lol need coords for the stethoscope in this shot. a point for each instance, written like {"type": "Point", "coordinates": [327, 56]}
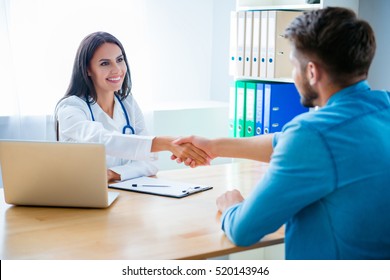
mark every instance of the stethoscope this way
{"type": "Point", "coordinates": [127, 126]}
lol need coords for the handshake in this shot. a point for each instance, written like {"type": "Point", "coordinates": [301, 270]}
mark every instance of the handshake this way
{"type": "Point", "coordinates": [193, 151]}
{"type": "Point", "coordinates": [196, 151]}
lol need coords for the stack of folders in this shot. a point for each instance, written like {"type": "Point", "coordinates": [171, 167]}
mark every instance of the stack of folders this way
{"type": "Point", "coordinates": [258, 47]}
{"type": "Point", "coordinates": [259, 108]}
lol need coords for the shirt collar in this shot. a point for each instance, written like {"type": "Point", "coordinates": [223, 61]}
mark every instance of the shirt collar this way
{"type": "Point", "coordinates": [358, 87]}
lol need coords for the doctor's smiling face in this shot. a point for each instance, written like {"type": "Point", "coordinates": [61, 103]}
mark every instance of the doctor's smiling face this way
{"type": "Point", "coordinates": [107, 69]}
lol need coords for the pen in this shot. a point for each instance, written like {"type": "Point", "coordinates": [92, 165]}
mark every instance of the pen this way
{"type": "Point", "coordinates": [142, 185]}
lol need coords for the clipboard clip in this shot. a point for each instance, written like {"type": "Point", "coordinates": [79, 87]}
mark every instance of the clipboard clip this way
{"type": "Point", "coordinates": [191, 190]}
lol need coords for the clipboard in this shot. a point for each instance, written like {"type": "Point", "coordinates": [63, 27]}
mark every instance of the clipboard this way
{"type": "Point", "coordinates": [160, 187]}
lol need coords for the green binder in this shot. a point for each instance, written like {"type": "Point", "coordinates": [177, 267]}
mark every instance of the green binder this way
{"type": "Point", "coordinates": [240, 109]}
{"type": "Point", "coordinates": [232, 110]}
{"type": "Point", "coordinates": [250, 109]}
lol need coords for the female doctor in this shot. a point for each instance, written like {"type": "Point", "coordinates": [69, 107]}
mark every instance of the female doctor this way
{"type": "Point", "coordinates": [98, 107]}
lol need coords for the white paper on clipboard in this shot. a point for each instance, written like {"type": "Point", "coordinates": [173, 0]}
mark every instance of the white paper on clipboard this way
{"type": "Point", "coordinates": [161, 187]}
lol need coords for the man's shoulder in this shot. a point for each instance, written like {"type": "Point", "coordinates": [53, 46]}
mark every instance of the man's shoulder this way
{"type": "Point", "coordinates": [334, 117]}
{"type": "Point", "coordinates": [314, 119]}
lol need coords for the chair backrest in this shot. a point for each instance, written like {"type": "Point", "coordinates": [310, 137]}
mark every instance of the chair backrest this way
{"type": "Point", "coordinates": [57, 133]}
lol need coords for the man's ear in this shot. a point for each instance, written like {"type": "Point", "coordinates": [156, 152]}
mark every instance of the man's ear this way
{"type": "Point", "coordinates": [313, 73]}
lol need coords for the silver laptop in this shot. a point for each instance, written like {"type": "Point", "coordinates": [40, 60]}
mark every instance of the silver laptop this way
{"type": "Point", "coordinates": [55, 174]}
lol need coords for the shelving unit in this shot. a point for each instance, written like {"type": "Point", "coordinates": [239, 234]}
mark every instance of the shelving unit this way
{"type": "Point", "coordinates": [267, 69]}
{"type": "Point", "coordinates": [301, 5]}
{"type": "Point", "coordinates": [288, 5]}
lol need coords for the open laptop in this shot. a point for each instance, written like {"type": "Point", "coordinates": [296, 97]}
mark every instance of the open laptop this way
{"type": "Point", "coordinates": [55, 174]}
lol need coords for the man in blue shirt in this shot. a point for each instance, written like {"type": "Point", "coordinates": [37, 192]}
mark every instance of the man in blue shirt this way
{"type": "Point", "coordinates": [329, 169]}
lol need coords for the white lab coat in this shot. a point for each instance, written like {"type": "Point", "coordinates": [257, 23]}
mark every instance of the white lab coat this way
{"type": "Point", "coordinates": [127, 155]}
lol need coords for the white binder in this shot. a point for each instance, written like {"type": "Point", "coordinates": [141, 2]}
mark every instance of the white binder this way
{"type": "Point", "coordinates": [278, 63]}
{"type": "Point", "coordinates": [248, 44]}
{"type": "Point", "coordinates": [256, 43]}
{"type": "Point", "coordinates": [240, 43]}
{"type": "Point", "coordinates": [233, 44]}
{"type": "Point", "coordinates": [271, 44]}
{"type": "Point", "coordinates": [263, 44]}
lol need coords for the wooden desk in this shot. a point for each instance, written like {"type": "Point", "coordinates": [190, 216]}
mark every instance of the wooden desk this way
{"type": "Point", "coordinates": [136, 226]}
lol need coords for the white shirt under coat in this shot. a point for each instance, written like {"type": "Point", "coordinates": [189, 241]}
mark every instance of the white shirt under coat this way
{"type": "Point", "coordinates": [126, 154]}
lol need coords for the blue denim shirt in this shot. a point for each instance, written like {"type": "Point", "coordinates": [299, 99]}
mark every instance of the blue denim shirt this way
{"type": "Point", "coordinates": [328, 181]}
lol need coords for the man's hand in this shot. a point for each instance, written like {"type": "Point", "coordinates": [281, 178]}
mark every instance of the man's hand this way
{"type": "Point", "coordinates": [229, 199]}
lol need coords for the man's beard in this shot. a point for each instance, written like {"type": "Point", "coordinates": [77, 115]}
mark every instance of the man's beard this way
{"type": "Point", "coordinates": [308, 95]}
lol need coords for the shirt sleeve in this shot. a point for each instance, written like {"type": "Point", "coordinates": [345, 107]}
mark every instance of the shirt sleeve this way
{"type": "Point", "coordinates": [135, 169]}
{"type": "Point", "coordinates": [301, 171]}
{"type": "Point", "coordinates": [75, 124]}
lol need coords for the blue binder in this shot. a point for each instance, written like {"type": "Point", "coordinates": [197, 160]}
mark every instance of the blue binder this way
{"type": "Point", "coordinates": [281, 105]}
{"type": "Point", "coordinates": [259, 128]}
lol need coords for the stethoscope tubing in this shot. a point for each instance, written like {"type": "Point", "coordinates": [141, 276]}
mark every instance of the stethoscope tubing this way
{"type": "Point", "coordinates": [127, 126]}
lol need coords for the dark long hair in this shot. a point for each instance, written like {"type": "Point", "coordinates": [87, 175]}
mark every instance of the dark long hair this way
{"type": "Point", "coordinates": [81, 84]}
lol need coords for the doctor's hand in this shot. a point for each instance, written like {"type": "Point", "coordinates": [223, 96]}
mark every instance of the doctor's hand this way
{"type": "Point", "coordinates": [229, 199]}
{"type": "Point", "coordinates": [112, 176]}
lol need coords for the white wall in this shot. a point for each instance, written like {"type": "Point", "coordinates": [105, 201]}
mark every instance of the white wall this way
{"type": "Point", "coordinates": [175, 51]}
{"type": "Point", "coordinates": [168, 43]}
{"type": "Point", "coordinates": [377, 14]}
{"type": "Point", "coordinates": [220, 79]}
{"type": "Point", "coordinates": [207, 119]}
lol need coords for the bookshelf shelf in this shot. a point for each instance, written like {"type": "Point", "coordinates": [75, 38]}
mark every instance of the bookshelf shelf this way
{"type": "Point", "coordinates": [262, 95]}
{"type": "Point", "coordinates": [270, 80]}
{"type": "Point", "coordinates": [302, 7]}
{"type": "Point", "coordinates": [298, 5]}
